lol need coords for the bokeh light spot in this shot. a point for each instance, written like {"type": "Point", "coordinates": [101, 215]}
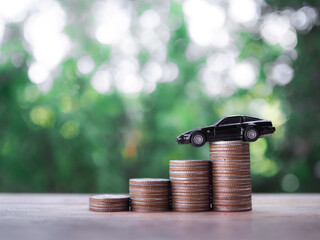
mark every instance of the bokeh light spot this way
{"type": "Point", "coordinates": [244, 74]}
{"type": "Point", "coordinates": [290, 183]}
{"type": "Point", "coordinates": [42, 116]}
{"type": "Point", "coordinates": [85, 65]}
{"type": "Point", "coordinates": [70, 129]}
{"type": "Point", "coordinates": [101, 81]}
{"type": "Point", "coordinates": [149, 19]}
{"type": "Point", "coordinates": [31, 93]}
{"type": "Point", "coordinates": [244, 11]}
{"type": "Point", "coordinates": [38, 73]}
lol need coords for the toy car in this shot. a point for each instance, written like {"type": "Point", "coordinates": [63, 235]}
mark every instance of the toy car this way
{"type": "Point", "coordinates": [229, 128]}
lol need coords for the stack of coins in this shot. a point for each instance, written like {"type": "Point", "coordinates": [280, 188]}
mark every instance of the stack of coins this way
{"type": "Point", "coordinates": [231, 179]}
{"type": "Point", "coordinates": [109, 203]}
{"type": "Point", "coordinates": [190, 185]}
{"type": "Point", "coordinates": [149, 194]}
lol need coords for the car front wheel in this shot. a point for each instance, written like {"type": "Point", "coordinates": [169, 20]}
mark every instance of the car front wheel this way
{"type": "Point", "coordinates": [251, 134]}
{"type": "Point", "coordinates": [198, 139]}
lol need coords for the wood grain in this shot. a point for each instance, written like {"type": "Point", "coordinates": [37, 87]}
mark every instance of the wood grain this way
{"type": "Point", "coordinates": [66, 216]}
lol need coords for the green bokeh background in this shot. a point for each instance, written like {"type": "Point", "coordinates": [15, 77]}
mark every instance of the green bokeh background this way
{"type": "Point", "coordinates": [73, 139]}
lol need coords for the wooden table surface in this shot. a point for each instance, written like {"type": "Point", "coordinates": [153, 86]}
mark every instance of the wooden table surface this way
{"type": "Point", "coordinates": [66, 216]}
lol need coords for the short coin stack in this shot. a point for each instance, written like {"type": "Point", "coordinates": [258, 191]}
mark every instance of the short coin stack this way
{"type": "Point", "coordinates": [190, 185]}
{"type": "Point", "coordinates": [149, 194]}
{"type": "Point", "coordinates": [109, 203]}
{"type": "Point", "coordinates": [231, 179]}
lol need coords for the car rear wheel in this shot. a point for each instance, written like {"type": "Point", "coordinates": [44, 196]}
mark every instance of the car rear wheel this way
{"type": "Point", "coordinates": [198, 139]}
{"type": "Point", "coordinates": [251, 134]}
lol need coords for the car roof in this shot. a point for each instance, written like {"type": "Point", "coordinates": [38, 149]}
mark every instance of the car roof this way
{"type": "Point", "coordinates": [239, 116]}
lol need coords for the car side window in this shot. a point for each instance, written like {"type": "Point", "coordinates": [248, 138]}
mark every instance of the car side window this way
{"type": "Point", "coordinates": [230, 120]}
{"type": "Point", "coordinates": [250, 119]}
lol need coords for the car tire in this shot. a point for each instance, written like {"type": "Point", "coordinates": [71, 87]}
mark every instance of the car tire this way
{"type": "Point", "coordinates": [251, 134]}
{"type": "Point", "coordinates": [198, 139]}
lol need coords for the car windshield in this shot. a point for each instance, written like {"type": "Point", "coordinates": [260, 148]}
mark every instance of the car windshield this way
{"type": "Point", "coordinates": [217, 123]}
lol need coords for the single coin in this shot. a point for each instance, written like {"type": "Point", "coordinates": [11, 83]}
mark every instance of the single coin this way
{"type": "Point", "coordinates": [231, 184]}
{"type": "Point", "coordinates": [216, 190]}
{"type": "Point", "coordinates": [231, 199]}
{"type": "Point", "coordinates": [191, 168]}
{"type": "Point", "coordinates": [231, 202]}
{"type": "Point", "coordinates": [226, 153]}
{"type": "Point", "coordinates": [150, 188]}
{"type": "Point", "coordinates": [191, 210]}
{"type": "Point", "coordinates": [231, 169]}
{"type": "Point", "coordinates": [230, 193]}
{"type": "Point", "coordinates": [230, 147]}
{"type": "Point", "coordinates": [229, 159]}
{"type": "Point", "coordinates": [231, 190]}
{"type": "Point", "coordinates": [231, 175]}
{"type": "Point", "coordinates": [189, 161]}
{"type": "Point", "coordinates": [240, 142]}
{"type": "Point", "coordinates": [191, 197]}
{"type": "Point", "coordinates": [95, 209]}
{"type": "Point", "coordinates": [233, 172]}
{"type": "Point", "coordinates": [192, 193]}
{"type": "Point", "coordinates": [191, 206]}
{"type": "Point", "coordinates": [192, 175]}
{"type": "Point", "coordinates": [149, 198]}
{"type": "Point", "coordinates": [189, 202]}
{"type": "Point", "coordinates": [192, 188]}
{"type": "Point", "coordinates": [184, 190]}
{"type": "Point", "coordinates": [241, 176]}
{"type": "Point", "coordinates": [106, 205]}
{"type": "Point", "coordinates": [230, 180]}
{"type": "Point", "coordinates": [230, 206]}
{"type": "Point", "coordinates": [186, 181]}
{"type": "Point", "coordinates": [147, 192]}
{"type": "Point", "coordinates": [197, 172]}
{"type": "Point", "coordinates": [226, 160]}
{"type": "Point", "coordinates": [228, 209]}
{"type": "Point", "coordinates": [145, 210]}
{"type": "Point", "coordinates": [150, 205]}
{"type": "Point", "coordinates": [191, 184]}
{"type": "Point", "coordinates": [149, 181]}
{"type": "Point", "coordinates": [235, 186]}
{"type": "Point", "coordinates": [150, 202]}
{"type": "Point", "coordinates": [224, 164]}
{"type": "Point", "coordinates": [109, 198]}
{"type": "Point", "coordinates": [187, 178]}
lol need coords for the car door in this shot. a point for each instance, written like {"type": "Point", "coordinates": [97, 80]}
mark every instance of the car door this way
{"type": "Point", "coordinates": [229, 129]}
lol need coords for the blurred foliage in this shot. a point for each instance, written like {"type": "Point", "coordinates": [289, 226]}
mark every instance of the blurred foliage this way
{"type": "Point", "coordinates": [73, 139]}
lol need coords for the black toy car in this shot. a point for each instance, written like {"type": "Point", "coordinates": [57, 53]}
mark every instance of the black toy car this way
{"type": "Point", "coordinates": [229, 128]}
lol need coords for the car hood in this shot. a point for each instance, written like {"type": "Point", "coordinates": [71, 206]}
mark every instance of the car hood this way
{"type": "Point", "coordinates": [196, 129]}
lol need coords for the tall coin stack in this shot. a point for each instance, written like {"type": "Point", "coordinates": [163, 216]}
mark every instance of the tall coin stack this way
{"type": "Point", "coordinates": [109, 203]}
{"type": "Point", "coordinates": [149, 194]}
{"type": "Point", "coordinates": [190, 185]}
{"type": "Point", "coordinates": [231, 179]}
